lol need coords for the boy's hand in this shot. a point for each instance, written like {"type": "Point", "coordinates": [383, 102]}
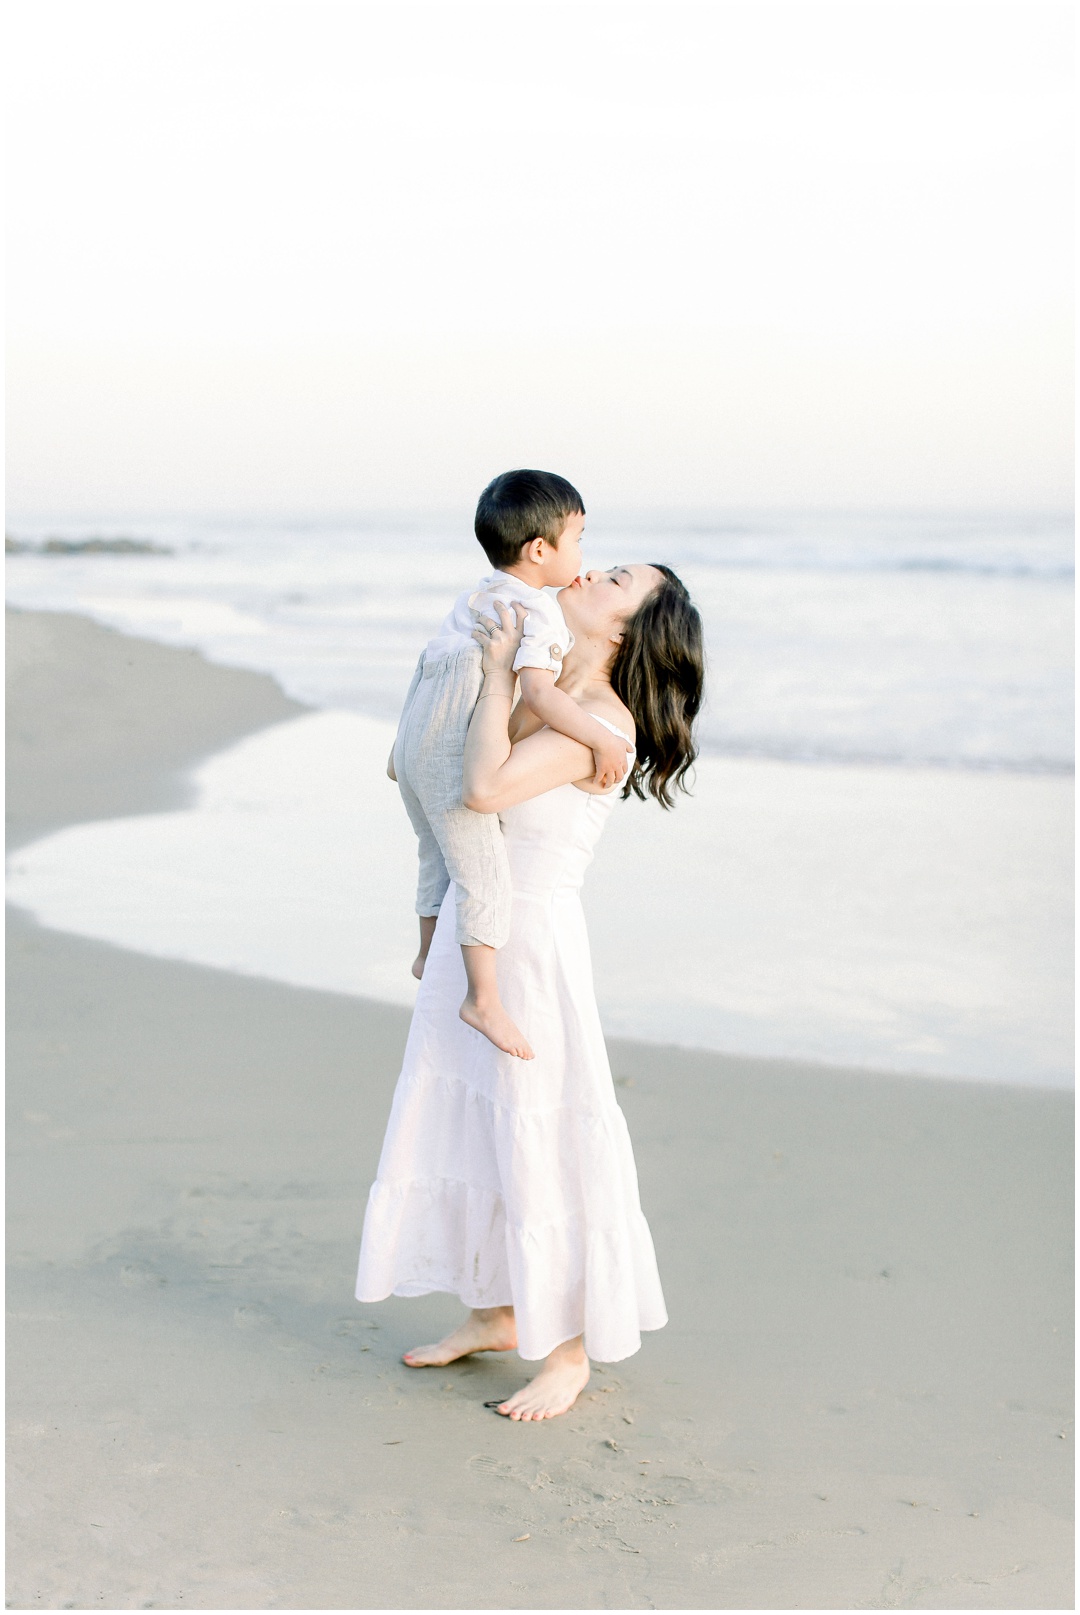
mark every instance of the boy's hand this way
{"type": "Point", "coordinates": [612, 760]}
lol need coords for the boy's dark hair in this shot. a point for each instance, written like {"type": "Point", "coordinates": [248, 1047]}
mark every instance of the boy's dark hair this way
{"type": "Point", "coordinates": [519, 506]}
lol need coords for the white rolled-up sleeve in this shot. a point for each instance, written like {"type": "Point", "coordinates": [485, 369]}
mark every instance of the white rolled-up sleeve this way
{"type": "Point", "coordinates": [546, 638]}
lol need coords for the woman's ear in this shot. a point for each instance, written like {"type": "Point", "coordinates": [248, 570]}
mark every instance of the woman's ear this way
{"type": "Point", "coordinates": [616, 639]}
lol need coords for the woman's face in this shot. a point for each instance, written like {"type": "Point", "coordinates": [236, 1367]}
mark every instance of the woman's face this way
{"type": "Point", "coordinates": [596, 605]}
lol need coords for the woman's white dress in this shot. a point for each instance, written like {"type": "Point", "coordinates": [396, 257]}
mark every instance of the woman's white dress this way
{"type": "Point", "coordinates": [510, 1182]}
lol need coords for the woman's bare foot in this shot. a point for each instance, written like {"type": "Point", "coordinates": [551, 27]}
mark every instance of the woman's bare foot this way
{"type": "Point", "coordinates": [485, 1329]}
{"type": "Point", "coordinates": [496, 1025]}
{"type": "Point", "coordinates": [555, 1389]}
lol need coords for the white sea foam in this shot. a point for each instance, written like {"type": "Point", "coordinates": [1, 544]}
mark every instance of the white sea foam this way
{"type": "Point", "coordinates": [911, 920]}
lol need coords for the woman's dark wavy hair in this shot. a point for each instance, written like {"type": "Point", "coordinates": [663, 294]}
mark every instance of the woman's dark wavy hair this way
{"type": "Point", "coordinates": [659, 673]}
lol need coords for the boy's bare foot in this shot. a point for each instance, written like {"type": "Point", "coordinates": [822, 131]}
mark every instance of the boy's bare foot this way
{"type": "Point", "coordinates": [555, 1389]}
{"type": "Point", "coordinates": [482, 1008]}
{"type": "Point", "coordinates": [497, 1027]}
{"type": "Point", "coordinates": [487, 1329]}
{"type": "Point", "coordinates": [427, 932]}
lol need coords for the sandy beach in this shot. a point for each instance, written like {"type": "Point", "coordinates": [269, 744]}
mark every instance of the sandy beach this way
{"type": "Point", "coordinates": [862, 1400]}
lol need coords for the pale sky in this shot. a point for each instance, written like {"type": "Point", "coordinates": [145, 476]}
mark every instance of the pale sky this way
{"type": "Point", "coordinates": [320, 257]}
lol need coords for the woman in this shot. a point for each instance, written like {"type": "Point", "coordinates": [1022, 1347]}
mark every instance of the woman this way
{"type": "Point", "coordinates": [512, 1184]}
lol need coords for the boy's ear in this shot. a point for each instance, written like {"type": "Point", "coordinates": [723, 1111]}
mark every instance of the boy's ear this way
{"type": "Point", "coordinates": [533, 551]}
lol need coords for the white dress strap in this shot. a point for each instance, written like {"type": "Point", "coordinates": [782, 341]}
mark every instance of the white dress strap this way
{"type": "Point", "coordinates": [614, 729]}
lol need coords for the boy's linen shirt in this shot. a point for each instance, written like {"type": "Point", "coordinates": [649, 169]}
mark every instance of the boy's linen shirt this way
{"type": "Point", "coordinates": [546, 638]}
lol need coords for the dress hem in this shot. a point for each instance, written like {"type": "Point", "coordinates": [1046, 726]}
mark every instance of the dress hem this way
{"type": "Point", "coordinates": [413, 1294]}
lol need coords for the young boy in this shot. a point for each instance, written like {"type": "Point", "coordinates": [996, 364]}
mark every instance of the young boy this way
{"type": "Point", "coordinates": [529, 524]}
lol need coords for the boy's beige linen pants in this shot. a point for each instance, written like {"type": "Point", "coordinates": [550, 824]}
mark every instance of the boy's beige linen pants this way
{"type": "Point", "coordinates": [456, 844]}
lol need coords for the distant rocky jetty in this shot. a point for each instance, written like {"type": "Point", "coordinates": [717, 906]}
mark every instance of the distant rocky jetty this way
{"type": "Point", "coordinates": [84, 546]}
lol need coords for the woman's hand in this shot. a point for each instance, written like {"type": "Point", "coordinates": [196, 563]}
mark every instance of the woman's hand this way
{"type": "Point", "coordinates": [499, 641]}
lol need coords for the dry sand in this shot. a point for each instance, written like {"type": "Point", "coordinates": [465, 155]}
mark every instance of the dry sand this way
{"type": "Point", "coordinates": [861, 1401]}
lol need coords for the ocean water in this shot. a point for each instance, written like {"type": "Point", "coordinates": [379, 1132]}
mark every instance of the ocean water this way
{"type": "Point", "coordinates": [912, 921]}
{"type": "Point", "coordinates": [874, 867]}
{"type": "Point", "coordinates": [908, 640]}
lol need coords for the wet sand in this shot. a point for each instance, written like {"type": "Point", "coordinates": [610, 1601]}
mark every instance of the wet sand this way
{"type": "Point", "coordinates": [862, 1399]}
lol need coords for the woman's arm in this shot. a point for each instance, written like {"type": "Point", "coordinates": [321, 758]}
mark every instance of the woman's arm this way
{"type": "Point", "coordinates": [522, 722]}
{"type": "Point", "coordinates": [496, 775]}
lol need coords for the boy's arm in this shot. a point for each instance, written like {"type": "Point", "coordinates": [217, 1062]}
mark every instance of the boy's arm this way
{"type": "Point", "coordinates": [558, 711]}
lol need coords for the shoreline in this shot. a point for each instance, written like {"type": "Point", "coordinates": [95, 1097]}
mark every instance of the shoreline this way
{"type": "Point", "coordinates": [913, 926]}
{"type": "Point", "coordinates": [124, 740]}
{"type": "Point", "coordinates": [859, 1400]}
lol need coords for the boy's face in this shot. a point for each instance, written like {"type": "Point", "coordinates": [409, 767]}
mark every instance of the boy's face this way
{"type": "Point", "coordinates": [562, 564]}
